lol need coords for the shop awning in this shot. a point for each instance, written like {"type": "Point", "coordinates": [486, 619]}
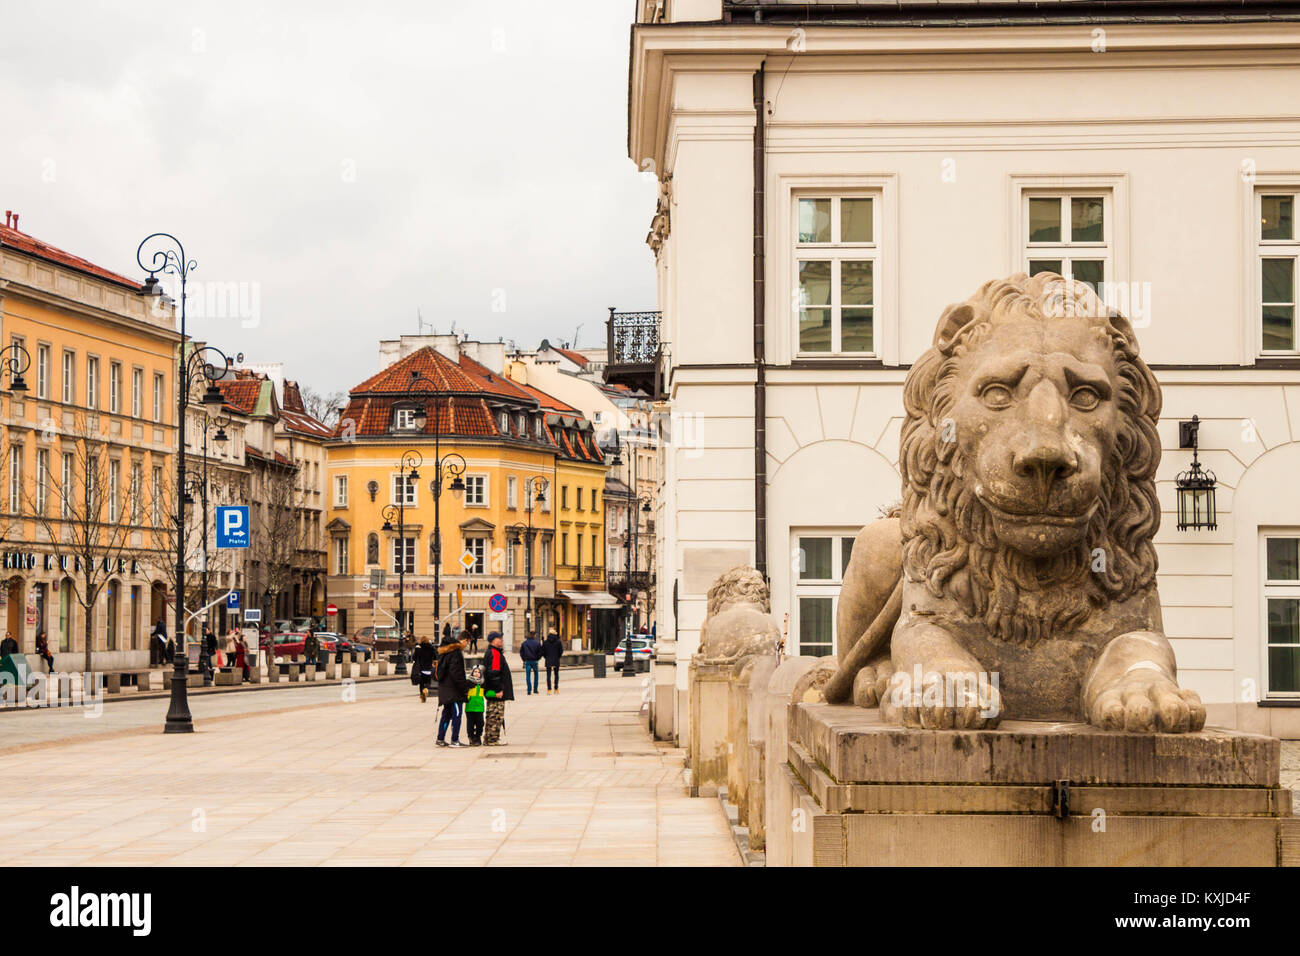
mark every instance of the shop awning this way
{"type": "Point", "coordinates": [591, 598]}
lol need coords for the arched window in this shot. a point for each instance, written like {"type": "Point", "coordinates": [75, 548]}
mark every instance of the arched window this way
{"type": "Point", "coordinates": [372, 548]}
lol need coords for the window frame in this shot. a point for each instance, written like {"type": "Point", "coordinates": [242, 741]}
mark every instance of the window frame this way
{"type": "Point", "coordinates": [69, 383]}
{"type": "Point", "coordinates": [92, 382]}
{"type": "Point", "coordinates": [114, 387]}
{"type": "Point", "coordinates": [1272, 588]}
{"type": "Point", "coordinates": [1276, 249]}
{"type": "Point", "coordinates": [512, 493]}
{"type": "Point", "coordinates": [340, 491]}
{"type": "Point", "coordinates": [1065, 249]}
{"type": "Point", "coordinates": [43, 369]}
{"type": "Point", "coordinates": [818, 588]}
{"type": "Point", "coordinates": [137, 391]}
{"type": "Point", "coordinates": [393, 556]}
{"type": "Point", "coordinates": [159, 396]}
{"type": "Point", "coordinates": [412, 490]}
{"type": "Point", "coordinates": [836, 252]}
{"type": "Point", "coordinates": [483, 498]}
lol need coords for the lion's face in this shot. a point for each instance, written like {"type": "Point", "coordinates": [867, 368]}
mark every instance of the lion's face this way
{"type": "Point", "coordinates": [1035, 420]}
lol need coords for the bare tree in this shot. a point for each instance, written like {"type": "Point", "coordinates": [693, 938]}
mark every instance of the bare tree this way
{"type": "Point", "coordinates": [86, 512]}
{"type": "Point", "coordinates": [323, 408]}
{"type": "Point", "coordinates": [277, 529]}
{"type": "Point", "coordinates": [161, 538]}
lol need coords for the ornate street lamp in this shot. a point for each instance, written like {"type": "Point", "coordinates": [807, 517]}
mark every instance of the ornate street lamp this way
{"type": "Point", "coordinates": [630, 544]}
{"type": "Point", "coordinates": [14, 360]}
{"type": "Point", "coordinates": [1196, 508]}
{"type": "Point", "coordinates": [410, 461]}
{"type": "Point", "coordinates": [525, 533]}
{"type": "Point", "coordinates": [171, 259]}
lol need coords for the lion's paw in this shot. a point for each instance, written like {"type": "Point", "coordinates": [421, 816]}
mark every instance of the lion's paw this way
{"type": "Point", "coordinates": [1139, 704]}
{"type": "Point", "coordinates": [947, 700]}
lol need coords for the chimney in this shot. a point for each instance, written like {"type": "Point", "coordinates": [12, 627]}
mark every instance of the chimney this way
{"type": "Point", "coordinates": [15, 222]}
{"type": "Point", "coordinates": [8, 216]}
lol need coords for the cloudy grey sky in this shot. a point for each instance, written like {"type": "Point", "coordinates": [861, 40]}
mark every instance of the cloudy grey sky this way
{"type": "Point", "coordinates": [349, 163]}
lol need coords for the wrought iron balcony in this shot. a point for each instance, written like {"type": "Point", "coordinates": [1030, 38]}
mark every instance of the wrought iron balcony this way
{"type": "Point", "coordinates": [641, 581]}
{"type": "Point", "coordinates": [632, 343]}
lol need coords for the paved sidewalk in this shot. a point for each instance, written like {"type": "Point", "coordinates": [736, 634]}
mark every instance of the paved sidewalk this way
{"type": "Point", "coordinates": [314, 779]}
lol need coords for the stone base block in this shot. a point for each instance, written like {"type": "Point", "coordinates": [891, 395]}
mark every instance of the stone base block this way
{"type": "Point", "coordinates": [861, 793]}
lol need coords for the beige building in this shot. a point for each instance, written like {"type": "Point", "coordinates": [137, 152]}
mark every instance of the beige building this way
{"type": "Point", "coordinates": [898, 155]}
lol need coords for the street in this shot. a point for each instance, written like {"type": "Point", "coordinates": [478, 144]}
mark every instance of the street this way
{"type": "Point", "coordinates": [302, 776]}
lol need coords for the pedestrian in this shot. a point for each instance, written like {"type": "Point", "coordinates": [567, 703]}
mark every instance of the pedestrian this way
{"type": "Point", "coordinates": [231, 648]}
{"type": "Point", "coordinates": [453, 687]}
{"type": "Point", "coordinates": [499, 687]}
{"type": "Point", "coordinates": [422, 667]}
{"type": "Point", "coordinates": [311, 648]}
{"type": "Point", "coordinates": [530, 652]}
{"type": "Point", "coordinates": [241, 654]}
{"type": "Point", "coordinates": [43, 652]}
{"type": "Point", "coordinates": [160, 640]}
{"type": "Point", "coordinates": [473, 641]}
{"type": "Point", "coordinates": [170, 650]}
{"type": "Point", "coordinates": [8, 645]}
{"type": "Point", "coordinates": [475, 703]}
{"type": "Point", "coordinates": [207, 651]}
{"type": "Point", "coordinates": [553, 651]}
{"type": "Point", "coordinates": [446, 631]}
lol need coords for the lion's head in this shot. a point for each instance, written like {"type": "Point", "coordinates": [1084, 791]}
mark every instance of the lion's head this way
{"type": "Point", "coordinates": [1028, 458]}
{"type": "Point", "coordinates": [739, 585]}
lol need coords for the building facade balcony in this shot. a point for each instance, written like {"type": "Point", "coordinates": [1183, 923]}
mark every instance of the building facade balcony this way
{"type": "Point", "coordinates": [634, 352]}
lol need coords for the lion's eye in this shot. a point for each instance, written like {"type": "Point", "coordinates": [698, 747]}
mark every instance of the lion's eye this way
{"type": "Point", "coordinates": [1085, 399]}
{"type": "Point", "coordinates": [996, 396]}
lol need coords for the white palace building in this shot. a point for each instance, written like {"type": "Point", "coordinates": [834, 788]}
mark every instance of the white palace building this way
{"type": "Point", "coordinates": [834, 174]}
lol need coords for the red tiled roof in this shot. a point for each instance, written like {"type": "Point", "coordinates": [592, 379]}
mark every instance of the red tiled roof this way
{"type": "Point", "coordinates": [576, 357]}
{"type": "Point", "coordinates": [550, 402]}
{"type": "Point", "coordinates": [13, 239]}
{"type": "Point", "coordinates": [304, 424]}
{"type": "Point", "coordinates": [445, 374]}
{"type": "Point", "coordinates": [241, 394]}
{"type": "Point", "coordinates": [292, 398]}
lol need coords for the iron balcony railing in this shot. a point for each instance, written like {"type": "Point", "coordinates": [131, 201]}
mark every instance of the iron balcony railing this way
{"type": "Point", "coordinates": [633, 337]}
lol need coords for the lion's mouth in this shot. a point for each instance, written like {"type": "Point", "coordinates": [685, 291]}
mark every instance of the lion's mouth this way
{"type": "Point", "coordinates": [1038, 517]}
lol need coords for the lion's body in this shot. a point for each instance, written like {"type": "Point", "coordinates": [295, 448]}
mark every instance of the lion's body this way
{"type": "Point", "coordinates": [1028, 457]}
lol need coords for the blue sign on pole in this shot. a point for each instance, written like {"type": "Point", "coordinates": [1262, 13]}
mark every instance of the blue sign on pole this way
{"type": "Point", "coordinates": [232, 526]}
{"type": "Point", "coordinates": [232, 601]}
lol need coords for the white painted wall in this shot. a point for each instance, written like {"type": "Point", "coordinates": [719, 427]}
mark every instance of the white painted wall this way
{"type": "Point", "coordinates": [1165, 131]}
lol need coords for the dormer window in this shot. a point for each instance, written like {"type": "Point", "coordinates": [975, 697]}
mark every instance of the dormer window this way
{"type": "Point", "coordinates": [505, 423]}
{"type": "Point", "coordinates": [409, 419]}
{"type": "Point", "coordinates": [521, 423]}
{"type": "Point", "coordinates": [537, 426]}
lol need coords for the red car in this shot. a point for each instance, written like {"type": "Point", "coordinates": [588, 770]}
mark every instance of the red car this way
{"type": "Point", "coordinates": [287, 644]}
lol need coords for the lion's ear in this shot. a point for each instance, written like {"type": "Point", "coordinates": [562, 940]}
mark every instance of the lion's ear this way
{"type": "Point", "coordinates": [954, 319]}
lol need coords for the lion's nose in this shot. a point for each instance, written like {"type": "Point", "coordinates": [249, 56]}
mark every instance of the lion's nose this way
{"type": "Point", "coordinates": [1044, 465]}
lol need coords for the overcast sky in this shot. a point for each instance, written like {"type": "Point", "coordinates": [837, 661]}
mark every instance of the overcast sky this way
{"type": "Point", "coordinates": [347, 164]}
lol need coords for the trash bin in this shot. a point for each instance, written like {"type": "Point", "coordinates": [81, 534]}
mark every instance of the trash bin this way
{"type": "Point", "coordinates": [597, 665]}
{"type": "Point", "coordinates": [642, 665]}
{"type": "Point", "coordinates": [322, 658]}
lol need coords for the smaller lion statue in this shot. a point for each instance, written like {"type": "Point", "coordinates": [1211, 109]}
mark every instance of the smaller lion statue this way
{"type": "Point", "coordinates": [739, 623]}
{"type": "Point", "coordinates": [1019, 579]}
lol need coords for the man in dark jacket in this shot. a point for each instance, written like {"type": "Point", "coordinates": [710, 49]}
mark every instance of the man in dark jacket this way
{"type": "Point", "coordinates": [422, 662]}
{"type": "Point", "coordinates": [453, 686]}
{"type": "Point", "coordinates": [500, 687]}
{"type": "Point", "coordinates": [207, 653]}
{"type": "Point", "coordinates": [552, 650]}
{"type": "Point", "coordinates": [530, 652]}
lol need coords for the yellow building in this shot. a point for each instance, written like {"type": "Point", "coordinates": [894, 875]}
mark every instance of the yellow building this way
{"type": "Point", "coordinates": [509, 445]}
{"type": "Point", "coordinates": [100, 401]}
{"type": "Point", "coordinates": [580, 471]}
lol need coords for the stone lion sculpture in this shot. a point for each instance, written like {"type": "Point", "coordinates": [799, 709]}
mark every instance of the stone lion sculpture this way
{"type": "Point", "coordinates": [1019, 578]}
{"type": "Point", "coordinates": [738, 622]}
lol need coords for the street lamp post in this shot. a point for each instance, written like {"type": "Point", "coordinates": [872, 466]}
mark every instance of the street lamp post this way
{"type": "Point", "coordinates": [410, 461]}
{"type": "Point", "coordinates": [171, 259]}
{"type": "Point", "coordinates": [630, 544]}
{"type": "Point", "coordinates": [220, 420]}
{"type": "Point", "coordinates": [516, 533]}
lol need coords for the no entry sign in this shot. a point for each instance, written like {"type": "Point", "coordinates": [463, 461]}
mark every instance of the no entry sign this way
{"type": "Point", "coordinates": [331, 609]}
{"type": "Point", "coordinates": [497, 603]}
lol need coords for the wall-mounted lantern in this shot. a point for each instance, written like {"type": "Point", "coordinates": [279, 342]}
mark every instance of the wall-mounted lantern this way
{"type": "Point", "coordinates": [1196, 485]}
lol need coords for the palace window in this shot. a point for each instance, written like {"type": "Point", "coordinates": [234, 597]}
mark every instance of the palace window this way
{"type": "Point", "coordinates": [512, 492]}
{"type": "Point", "coordinates": [158, 390]}
{"type": "Point", "coordinates": [396, 490]}
{"type": "Point", "coordinates": [544, 556]}
{"type": "Point", "coordinates": [404, 419]}
{"type": "Point", "coordinates": [340, 492]}
{"type": "Point", "coordinates": [42, 479]}
{"type": "Point", "coordinates": [137, 388]}
{"type": "Point", "coordinates": [836, 266]}
{"type": "Point", "coordinates": [114, 489]}
{"type": "Point", "coordinates": [476, 491]}
{"type": "Point", "coordinates": [156, 517]}
{"type": "Point", "coordinates": [822, 558]}
{"type": "Point", "coordinates": [1279, 251]}
{"type": "Point", "coordinates": [42, 371]}
{"type": "Point", "coordinates": [92, 382]}
{"type": "Point", "coordinates": [69, 377]}
{"type": "Point", "coordinates": [115, 387]}
{"type": "Point", "coordinates": [134, 492]}
{"type": "Point", "coordinates": [477, 549]}
{"type": "Point", "coordinates": [340, 555]}
{"type": "Point", "coordinates": [1067, 233]}
{"type": "Point", "coordinates": [403, 548]}
{"type": "Point", "coordinates": [1282, 613]}
{"type": "Point", "coordinates": [15, 477]}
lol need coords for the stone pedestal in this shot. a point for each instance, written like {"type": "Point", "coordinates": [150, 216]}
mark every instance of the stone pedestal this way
{"type": "Point", "coordinates": [1029, 793]}
{"type": "Point", "coordinates": [709, 690]}
{"type": "Point", "coordinates": [664, 670]}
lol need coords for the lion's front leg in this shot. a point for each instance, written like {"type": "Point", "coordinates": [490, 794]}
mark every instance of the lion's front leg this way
{"type": "Point", "coordinates": [937, 684]}
{"type": "Point", "coordinates": [1133, 686]}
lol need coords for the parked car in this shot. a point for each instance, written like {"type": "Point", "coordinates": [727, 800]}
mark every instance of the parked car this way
{"type": "Point", "coordinates": [331, 640]}
{"type": "Point", "coordinates": [286, 644]}
{"type": "Point", "coordinates": [642, 649]}
{"type": "Point", "coordinates": [382, 638]}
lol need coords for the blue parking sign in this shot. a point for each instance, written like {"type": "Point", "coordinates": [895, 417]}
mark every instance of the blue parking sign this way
{"type": "Point", "coordinates": [232, 526]}
{"type": "Point", "coordinates": [232, 601]}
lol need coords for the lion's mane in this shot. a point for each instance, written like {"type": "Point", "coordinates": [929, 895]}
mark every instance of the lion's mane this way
{"type": "Point", "coordinates": [948, 536]}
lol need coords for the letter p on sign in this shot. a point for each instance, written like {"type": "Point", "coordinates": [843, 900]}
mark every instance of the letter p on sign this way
{"type": "Point", "coordinates": [232, 526]}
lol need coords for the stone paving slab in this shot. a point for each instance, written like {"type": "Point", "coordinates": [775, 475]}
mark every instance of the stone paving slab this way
{"type": "Point", "coordinates": [303, 777]}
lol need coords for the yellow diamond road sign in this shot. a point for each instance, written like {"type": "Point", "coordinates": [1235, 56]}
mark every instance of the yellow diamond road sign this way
{"type": "Point", "coordinates": [467, 560]}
